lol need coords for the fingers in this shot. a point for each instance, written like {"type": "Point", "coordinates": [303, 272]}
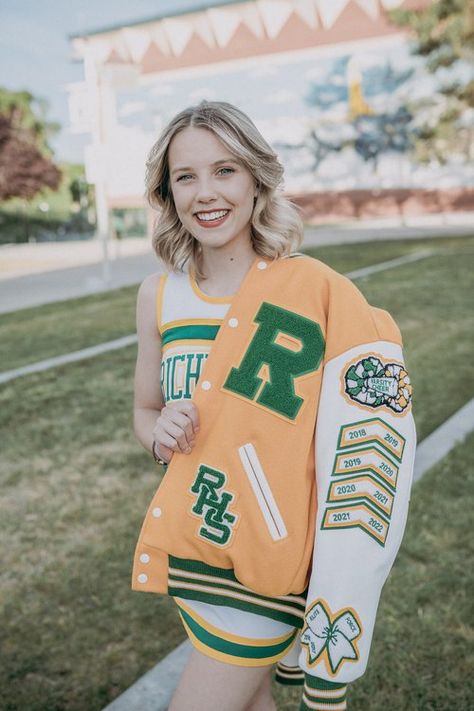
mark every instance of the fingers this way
{"type": "Point", "coordinates": [164, 452]}
{"type": "Point", "coordinates": [179, 434]}
{"type": "Point", "coordinates": [175, 427]}
{"type": "Point", "coordinates": [189, 409]}
{"type": "Point", "coordinates": [180, 423]}
{"type": "Point", "coordinates": [169, 435]}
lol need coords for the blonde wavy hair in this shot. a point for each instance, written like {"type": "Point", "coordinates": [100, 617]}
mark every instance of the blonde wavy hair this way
{"type": "Point", "coordinates": [276, 227]}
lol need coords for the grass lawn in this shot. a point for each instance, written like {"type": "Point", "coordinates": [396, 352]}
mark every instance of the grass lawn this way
{"type": "Point", "coordinates": [76, 485]}
{"type": "Point", "coordinates": [32, 334]}
{"type": "Point", "coordinates": [423, 648]}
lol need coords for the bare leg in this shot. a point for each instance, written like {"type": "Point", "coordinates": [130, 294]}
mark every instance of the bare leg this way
{"type": "Point", "coordinates": [263, 699]}
{"type": "Point", "coordinates": [209, 685]}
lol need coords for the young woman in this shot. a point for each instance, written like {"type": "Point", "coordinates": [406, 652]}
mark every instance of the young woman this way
{"type": "Point", "coordinates": [267, 383]}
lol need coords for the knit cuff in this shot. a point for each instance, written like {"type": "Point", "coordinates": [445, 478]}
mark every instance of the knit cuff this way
{"type": "Point", "coordinates": [322, 695]}
{"type": "Point", "coordinates": [289, 676]}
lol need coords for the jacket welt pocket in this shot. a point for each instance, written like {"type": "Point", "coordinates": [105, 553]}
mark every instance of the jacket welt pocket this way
{"type": "Point", "coordinates": [263, 493]}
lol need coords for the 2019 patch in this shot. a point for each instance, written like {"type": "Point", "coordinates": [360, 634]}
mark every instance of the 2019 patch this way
{"type": "Point", "coordinates": [372, 383]}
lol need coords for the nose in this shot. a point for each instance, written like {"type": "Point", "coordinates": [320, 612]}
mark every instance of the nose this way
{"type": "Point", "coordinates": [205, 191]}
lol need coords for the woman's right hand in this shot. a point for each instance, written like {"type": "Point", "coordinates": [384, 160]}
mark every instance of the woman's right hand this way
{"type": "Point", "coordinates": [175, 429]}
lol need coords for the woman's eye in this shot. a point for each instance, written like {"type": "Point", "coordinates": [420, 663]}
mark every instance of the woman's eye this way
{"type": "Point", "coordinates": [231, 170]}
{"type": "Point", "coordinates": [183, 176]}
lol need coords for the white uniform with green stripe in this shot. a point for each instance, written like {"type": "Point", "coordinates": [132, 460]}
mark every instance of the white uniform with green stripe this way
{"type": "Point", "coordinates": [224, 618]}
{"type": "Point", "coordinates": [188, 323]}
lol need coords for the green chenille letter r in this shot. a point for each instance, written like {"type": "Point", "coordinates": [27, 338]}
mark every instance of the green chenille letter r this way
{"type": "Point", "coordinates": [284, 364]}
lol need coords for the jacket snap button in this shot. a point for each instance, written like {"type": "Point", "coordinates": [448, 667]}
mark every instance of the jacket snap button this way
{"type": "Point", "coordinates": [262, 265]}
{"type": "Point", "coordinates": [144, 558]}
{"type": "Point", "coordinates": [233, 322]}
{"type": "Point", "coordinates": [206, 385]}
{"type": "Point", "coordinates": [156, 512]}
{"type": "Point", "coordinates": [142, 578]}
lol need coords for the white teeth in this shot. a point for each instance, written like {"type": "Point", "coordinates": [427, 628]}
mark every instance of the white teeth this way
{"type": "Point", "coordinates": [207, 216]}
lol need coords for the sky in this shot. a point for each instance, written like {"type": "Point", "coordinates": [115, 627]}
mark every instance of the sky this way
{"type": "Point", "coordinates": [36, 54]}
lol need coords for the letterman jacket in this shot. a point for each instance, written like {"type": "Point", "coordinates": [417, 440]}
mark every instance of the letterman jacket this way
{"type": "Point", "coordinates": [297, 488]}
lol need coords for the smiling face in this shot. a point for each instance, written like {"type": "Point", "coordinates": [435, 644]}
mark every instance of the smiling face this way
{"type": "Point", "coordinates": [213, 191]}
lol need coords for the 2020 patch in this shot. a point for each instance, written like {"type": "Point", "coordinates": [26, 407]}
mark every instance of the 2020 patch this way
{"type": "Point", "coordinates": [372, 383]}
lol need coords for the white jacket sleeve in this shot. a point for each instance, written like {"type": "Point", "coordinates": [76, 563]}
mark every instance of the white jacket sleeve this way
{"type": "Point", "coordinates": [364, 449]}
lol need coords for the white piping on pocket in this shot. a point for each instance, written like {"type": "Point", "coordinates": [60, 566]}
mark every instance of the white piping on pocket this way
{"type": "Point", "coordinates": [262, 491]}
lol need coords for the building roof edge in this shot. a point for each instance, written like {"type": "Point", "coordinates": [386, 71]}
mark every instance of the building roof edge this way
{"type": "Point", "coordinates": [183, 11]}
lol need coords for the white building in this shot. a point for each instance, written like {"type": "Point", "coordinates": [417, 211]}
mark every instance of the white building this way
{"type": "Point", "coordinates": [308, 72]}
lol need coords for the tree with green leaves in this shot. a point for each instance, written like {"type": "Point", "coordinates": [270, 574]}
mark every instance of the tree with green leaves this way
{"type": "Point", "coordinates": [443, 34]}
{"type": "Point", "coordinates": [26, 165]}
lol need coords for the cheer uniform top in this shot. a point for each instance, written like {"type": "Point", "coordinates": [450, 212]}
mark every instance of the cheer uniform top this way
{"type": "Point", "coordinates": [188, 321]}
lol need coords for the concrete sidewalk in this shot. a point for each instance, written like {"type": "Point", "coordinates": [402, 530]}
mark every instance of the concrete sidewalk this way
{"type": "Point", "coordinates": [18, 260]}
{"type": "Point", "coordinates": [35, 274]}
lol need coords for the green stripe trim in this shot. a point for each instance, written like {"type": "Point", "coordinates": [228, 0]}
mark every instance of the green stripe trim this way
{"type": "Point", "coordinates": [227, 576]}
{"type": "Point", "coordinates": [217, 599]}
{"type": "Point", "coordinates": [196, 332]}
{"type": "Point", "coordinates": [327, 702]}
{"type": "Point", "coordinates": [314, 682]}
{"type": "Point", "coordinates": [289, 676]}
{"type": "Point", "coordinates": [197, 566]}
{"type": "Point", "coordinates": [290, 670]}
{"type": "Point", "coordinates": [200, 568]}
{"type": "Point", "coordinates": [292, 605]}
{"type": "Point", "coordinates": [288, 682]}
{"type": "Point", "coordinates": [234, 648]}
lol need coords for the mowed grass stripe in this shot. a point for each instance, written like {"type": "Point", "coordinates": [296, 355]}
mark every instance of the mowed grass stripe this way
{"type": "Point", "coordinates": [36, 334]}
{"type": "Point", "coordinates": [200, 331]}
{"type": "Point", "coordinates": [32, 335]}
{"type": "Point", "coordinates": [68, 358]}
{"type": "Point", "coordinates": [76, 485]}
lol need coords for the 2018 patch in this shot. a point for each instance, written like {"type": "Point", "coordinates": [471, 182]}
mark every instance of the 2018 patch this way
{"type": "Point", "coordinates": [372, 383]}
{"type": "Point", "coordinates": [332, 638]}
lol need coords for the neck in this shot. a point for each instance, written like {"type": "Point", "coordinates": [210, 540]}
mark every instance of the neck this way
{"type": "Point", "coordinates": [225, 268]}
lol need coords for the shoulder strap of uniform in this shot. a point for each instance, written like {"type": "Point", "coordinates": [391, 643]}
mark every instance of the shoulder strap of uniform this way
{"type": "Point", "coordinates": [159, 301]}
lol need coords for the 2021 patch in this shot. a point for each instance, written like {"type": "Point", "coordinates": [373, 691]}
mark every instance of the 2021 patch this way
{"type": "Point", "coordinates": [372, 383]}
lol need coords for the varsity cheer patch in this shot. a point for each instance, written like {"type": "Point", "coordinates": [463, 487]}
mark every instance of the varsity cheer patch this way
{"type": "Point", "coordinates": [332, 638]}
{"type": "Point", "coordinates": [372, 383]}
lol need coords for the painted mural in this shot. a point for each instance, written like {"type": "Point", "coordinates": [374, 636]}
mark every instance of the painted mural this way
{"type": "Point", "coordinates": [339, 116]}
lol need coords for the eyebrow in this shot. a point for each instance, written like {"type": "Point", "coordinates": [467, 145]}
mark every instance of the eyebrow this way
{"type": "Point", "coordinates": [218, 162]}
